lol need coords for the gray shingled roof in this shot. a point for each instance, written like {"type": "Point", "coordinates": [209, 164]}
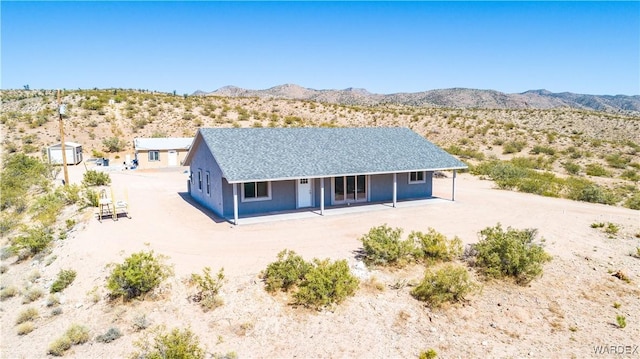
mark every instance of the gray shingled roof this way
{"type": "Point", "coordinates": [259, 154]}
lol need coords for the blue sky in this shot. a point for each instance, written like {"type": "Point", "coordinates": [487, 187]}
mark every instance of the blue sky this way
{"type": "Point", "coordinates": [384, 47]}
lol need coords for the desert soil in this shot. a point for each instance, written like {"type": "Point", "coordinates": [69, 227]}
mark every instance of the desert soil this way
{"type": "Point", "coordinates": [565, 313]}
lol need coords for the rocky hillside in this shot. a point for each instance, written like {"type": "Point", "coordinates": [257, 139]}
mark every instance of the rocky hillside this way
{"type": "Point", "coordinates": [449, 98]}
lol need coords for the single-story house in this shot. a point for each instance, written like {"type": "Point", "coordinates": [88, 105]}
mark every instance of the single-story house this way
{"type": "Point", "coordinates": [72, 150]}
{"type": "Point", "coordinates": [248, 171]}
{"type": "Point", "coordinates": [161, 152]}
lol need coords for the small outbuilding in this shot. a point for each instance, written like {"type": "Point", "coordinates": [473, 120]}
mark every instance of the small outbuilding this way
{"type": "Point", "coordinates": [161, 152]}
{"type": "Point", "coordinates": [247, 171]}
{"type": "Point", "coordinates": [73, 153]}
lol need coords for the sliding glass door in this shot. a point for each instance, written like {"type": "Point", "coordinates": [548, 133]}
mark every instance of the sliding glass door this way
{"type": "Point", "coordinates": [349, 189]}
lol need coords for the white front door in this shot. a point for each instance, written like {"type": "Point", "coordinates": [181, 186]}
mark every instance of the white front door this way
{"type": "Point", "coordinates": [304, 193]}
{"type": "Point", "coordinates": [172, 158]}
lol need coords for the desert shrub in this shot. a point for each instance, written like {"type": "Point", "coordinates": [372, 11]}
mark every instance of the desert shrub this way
{"type": "Point", "coordinates": [584, 190]}
{"type": "Point", "coordinates": [78, 334]}
{"type": "Point", "coordinates": [572, 167]}
{"type": "Point", "coordinates": [113, 144]}
{"type": "Point", "coordinates": [617, 160]}
{"type": "Point", "coordinates": [448, 284]}
{"type": "Point", "coordinates": [59, 346]}
{"type": "Point", "coordinates": [8, 222]}
{"type": "Point", "coordinates": [46, 208]}
{"type": "Point", "coordinates": [141, 322]}
{"type": "Point", "coordinates": [631, 175]}
{"type": "Point", "coordinates": [594, 169]}
{"type": "Point", "coordinates": [179, 343]}
{"type": "Point", "coordinates": [32, 294]}
{"type": "Point", "coordinates": [25, 328]}
{"type": "Point", "coordinates": [597, 225]}
{"type": "Point", "coordinates": [505, 174]}
{"type": "Point", "coordinates": [621, 320]}
{"type": "Point", "coordinates": [289, 270]}
{"type": "Point", "coordinates": [428, 354]}
{"type": "Point", "coordinates": [537, 149]}
{"type": "Point", "coordinates": [8, 292]}
{"type": "Point", "coordinates": [465, 153]}
{"type": "Point", "coordinates": [64, 279]}
{"type": "Point", "coordinates": [512, 253]}
{"type": "Point", "coordinates": [34, 241]}
{"type": "Point", "coordinates": [95, 178]}
{"type": "Point", "coordinates": [140, 273]}
{"type": "Point", "coordinates": [544, 184]}
{"type": "Point", "coordinates": [633, 202]}
{"type": "Point", "coordinates": [91, 197]}
{"type": "Point", "coordinates": [326, 283]}
{"type": "Point", "coordinates": [436, 246]}
{"type": "Point", "coordinates": [513, 147]}
{"type": "Point", "coordinates": [611, 229]}
{"type": "Point", "coordinates": [69, 194]}
{"type": "Point", "coordinates": [208, 288]}
{"type": "Point", "coordinates": [383, 246]}
{"type": "Point", "coordinates": [27, 314]}
{"type": "Point", "coordinates": [111, 335]}
{"type": "Point", "coordinates": [56, 311]}
{"type": "Point", "coordinates": [19, 174]}
{"type": "Point", "coordinates": [53, 300]}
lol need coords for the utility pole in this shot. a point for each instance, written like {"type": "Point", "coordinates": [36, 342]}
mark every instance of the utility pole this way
{"type": "Point", "coordinates": [61, 111]}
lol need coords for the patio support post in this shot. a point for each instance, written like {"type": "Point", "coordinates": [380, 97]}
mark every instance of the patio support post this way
{"type": "Point", "coordinates": [235, 204]}
{"type": "Point", "coordinates": [322, 196]}
{"type": "Point", "coordinates": [453, 189]}
{"type": "Point", "coordinates": [395, 189]}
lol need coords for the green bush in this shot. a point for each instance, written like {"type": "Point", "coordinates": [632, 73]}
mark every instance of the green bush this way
{"type": "Point", "coordinates": [572, 168]}
{"type": "Point", "coordinates": [537, 149]}
{"type": "Point", "coordinates": [513, 147]}
{"type": "Point", "coordinates": [326, 283]}
{"type": "Point", "coordinates": [512, 253]}
{"type": "Point", "coordinates": [621, 320]}
{"type": "Point", "coordinates": [504, 173]}
{"type": "Point", "coordinates": [448, 284]}
{"type": "Point", "coordinates": [611, 229]}
{"type": "Point", "coordinates": [465, 153]}
{"type": "Point", "coordinates": [594, 169]}
{"type": "Point", "coordinates": [617, 161]}
{"type": "Point", "coordinates": [436, 246]}
{"type": "Point", "coordinates": [19, 174]}
{"type": "Point", "coordinates": [633, 202]}
{"type": "Point", "coordinates": [631, 175]}
{"type": "Point", "coordinates": [65, 278]}
{"type": "Point", "coordinates": [46, 208]}
{"type": "Point", "coordinates": [91, 197]}
{"type": "Point", "coordinates": [208, 288]}
{"type": "Point", "coordinates": [140, 273]}
{"type": "Point", "coordinates": [34, 241]}
{"type": "Point", "coordinates": [288, 271]}
{"type": "Point", "coordinates": [183, 344]}
{"type": "Point", "coordinates": [96, 178]}
{"type": "Point", "coordinates": [113, 144]}
{"type": "Point", "coordinates": [428, 354]}
{"type": "Point", "coordinates": [383, 246]}
{"type": "Point", "coordinates": [584, 190]}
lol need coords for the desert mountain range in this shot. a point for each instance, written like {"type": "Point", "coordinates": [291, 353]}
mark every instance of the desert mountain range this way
{"type": "Point", "coordinates": [448, 98]}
